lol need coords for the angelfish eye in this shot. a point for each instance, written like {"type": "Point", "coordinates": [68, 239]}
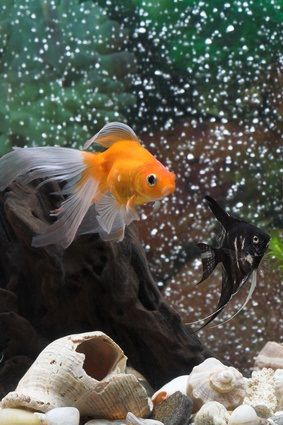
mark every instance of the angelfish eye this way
{"type": "Point", "coordinates": [151, 179]}
{"type": "Point", "coordinates": [255, 239]}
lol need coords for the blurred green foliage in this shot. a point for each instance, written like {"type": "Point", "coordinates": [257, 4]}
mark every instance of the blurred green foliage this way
{"type": "Point", "coordinates": [276, 248]}
{"type": "Point", "coordinates": [63, 71]}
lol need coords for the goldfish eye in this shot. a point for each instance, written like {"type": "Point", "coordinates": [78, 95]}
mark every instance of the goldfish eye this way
{"type": "Point", "coordinates": [151, 179]}
{"type": "Point", "coordinates": [255, 239]}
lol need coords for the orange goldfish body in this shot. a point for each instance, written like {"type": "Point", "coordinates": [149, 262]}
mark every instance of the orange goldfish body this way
{"type": "Point", "coordinates": [102, 189]}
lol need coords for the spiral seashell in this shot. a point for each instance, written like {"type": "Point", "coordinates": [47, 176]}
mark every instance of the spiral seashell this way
{"type": "Point", "coordinates": [213, 381]}
{"type": "Point", "coordinates": [85, 371]}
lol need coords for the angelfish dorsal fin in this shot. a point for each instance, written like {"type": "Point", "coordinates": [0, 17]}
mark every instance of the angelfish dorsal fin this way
{"type": "Point", "coordinates": [224, 218]}
{"type": "Point", "coordinates": [111, 133]}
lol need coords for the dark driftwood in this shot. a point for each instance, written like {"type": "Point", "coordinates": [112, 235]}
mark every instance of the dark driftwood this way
{"type": "Point", "coordinates": [93, 285]}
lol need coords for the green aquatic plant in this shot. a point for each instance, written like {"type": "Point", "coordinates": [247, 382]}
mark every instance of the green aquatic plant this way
{"type": "Point", "coordinates": [276, 248]}
{"type": "Point", "coordinates": [63, 72]}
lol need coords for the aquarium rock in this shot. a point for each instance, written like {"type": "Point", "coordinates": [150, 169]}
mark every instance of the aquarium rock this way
{"type": "Point", "coordinates": [175, 410]}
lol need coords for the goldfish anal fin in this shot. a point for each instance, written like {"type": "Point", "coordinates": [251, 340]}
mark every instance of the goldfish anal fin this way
{"type": "Point", "coordinates": [209, 260]}
{"type": "Point", "coordinates": [111, 133]}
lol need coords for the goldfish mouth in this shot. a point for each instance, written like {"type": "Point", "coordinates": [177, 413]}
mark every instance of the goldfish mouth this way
{"type": "Point", "coordinates": [167, 190]}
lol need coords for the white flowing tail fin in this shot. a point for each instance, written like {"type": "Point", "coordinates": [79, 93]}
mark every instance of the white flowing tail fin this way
{"type": "Point", "coordinates": [54, 163]}
{"type": "Point", "coordinates": [34, 163]}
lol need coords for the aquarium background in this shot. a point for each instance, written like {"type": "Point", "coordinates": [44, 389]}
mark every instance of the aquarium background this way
{"type": "Point", "coordinates": [201, 84]}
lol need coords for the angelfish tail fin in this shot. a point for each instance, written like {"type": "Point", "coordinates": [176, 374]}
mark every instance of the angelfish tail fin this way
{"type": "Point", "coordinates": [209, 258]}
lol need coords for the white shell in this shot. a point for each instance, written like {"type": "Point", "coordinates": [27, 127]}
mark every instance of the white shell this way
{"type": "Point", "coordinates": [271, 356]}
{"type": "Point", "coordinates": [177, 384]}
{"type": "Point", "coordinates": [213, 381]}
{"type": "Point", "coordinates": [278, 384]}
{"type": "Point", "coordinates": [260, 392]}
{"type": "Point", "coordinates": [212, 413]}
{"type": "Point", "coordinates": [19, 417]}
{"type": "Point", "coordinates": [104, 422]}
{"type": "Point", "coordinates": [84, 371]}
{"type": "Point", "coordinates": [244, 415]}
{"type": "Point", "coordinates": [131, 419]}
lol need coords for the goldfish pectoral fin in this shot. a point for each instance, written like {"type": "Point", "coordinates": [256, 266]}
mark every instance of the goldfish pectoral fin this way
{"type": "Point", "coordinates": [111, 133]}
{"type": "Point", "coordinates": [117, 235]}
{"type": "Point", "coordinates": [156, 206]}
{"type": "Point", "coordinates": [70, 216]}
{"type": "Point", "coordinates": [112, 216]}
{"type": "Point", "coordinates": [131, 212]}
{"type": "Point", "coordinates": [209, 260]}
{"type": "Point", "coordinates": [89, 223]}
{"type": "Point", "coordinates": [108, 212]}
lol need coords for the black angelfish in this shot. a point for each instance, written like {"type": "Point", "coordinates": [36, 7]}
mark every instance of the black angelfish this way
{"type": "Point", "coordinates": [242, 247]}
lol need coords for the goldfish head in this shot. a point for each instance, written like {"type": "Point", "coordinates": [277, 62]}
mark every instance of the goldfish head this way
{"type": "Point", "coordinates": [153, 181]}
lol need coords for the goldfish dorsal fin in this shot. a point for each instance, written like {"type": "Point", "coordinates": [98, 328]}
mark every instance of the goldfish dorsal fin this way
{"type": "Point", "coordinates": [111, 133]}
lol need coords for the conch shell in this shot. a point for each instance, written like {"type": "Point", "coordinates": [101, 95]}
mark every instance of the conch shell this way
{"type": "Point", "coordinates": [85, 371]}
{"type": "Point", "coordinates": [213, 381]}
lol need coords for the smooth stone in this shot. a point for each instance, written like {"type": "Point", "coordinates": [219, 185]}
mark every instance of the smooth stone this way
{"type": "Point", "coordinates": [175, 410]}
{"type": "Point", "coordinates": [104, 422]}
{"type": "Point", "coordinates": [131, 419]}
{"type": "Point", "coordinates": [244, 415]}
{"type": "Point", "coordinates": [63, 416]}
{"type": "Point", "coordinates": [18, 417]}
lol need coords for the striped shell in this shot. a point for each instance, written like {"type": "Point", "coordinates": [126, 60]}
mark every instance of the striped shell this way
{"type": "Point", "coordinates": [213, 381]}
{"type": "Point", "coordinates": [85, 371]}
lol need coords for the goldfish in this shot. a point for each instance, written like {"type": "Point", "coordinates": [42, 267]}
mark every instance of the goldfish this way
{"type": "Point", "coordinates": [242, 246]}
{"type": "Point", "coordinates": [102, 189]}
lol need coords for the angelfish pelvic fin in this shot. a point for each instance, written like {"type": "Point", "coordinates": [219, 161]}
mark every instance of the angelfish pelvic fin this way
{"type": "Point", "coordinates": [209, 258]}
